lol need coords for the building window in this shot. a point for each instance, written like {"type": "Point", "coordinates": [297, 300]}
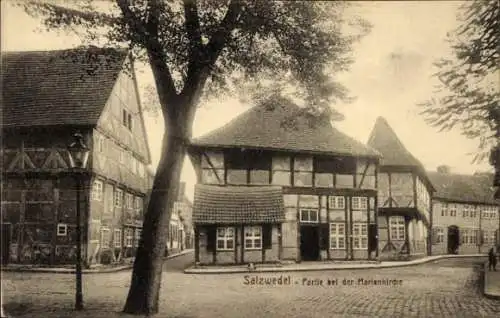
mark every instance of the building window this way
{"type": "Point", "coordinates": [359, 236]}
{"type": "Point", "coordinates": [444, 209]}
{"type": "Point", "coordinates": [225, 238]}
{"type": "Point", "coordinates": [117, 238]}
{"type": "Point", "coordinates": [62, 229]}
{"type": "Point", "coordinates": [359, 203]}
{"type": "Point", "coordinates": [469, 236]}
{"type": "Point", "coordinates": [337, 236]}
{"type": "Point", "coordinates": [105, 237]}
{"type": "Point", "coordinates": [253, 238]}
{"type": "Point", "coordinates": [138, 206]}
{"type": "Point", "coordinates": [439, 235]}
{"type": "Point", "coordinates": [309, 215]}
{"type": "Point", "coordinates": [472, 211]}
{"type": "Point", "coordinates": [489, 237]}
{"type": "Point", "coordinates": [453, 209]}
{"type": "Point", "coordinates": [118, 198]}
{"type": "Point", "coordinates": [337, 203]}
{"type": "Point", "coordinates": [281, 170]}
{"type": "Point", "coordinates": [126, 119]}
{"type": "Point", "coordinates": [129, 201]}
{"type": "Point", "coordinates": [129, 237]}
{"type": "Point", "coordinates": [100, 143]}
{"type": "Point", "coordinates": [137, 237]}
{"type": "Point", "coordinates": [97, 190]}
{"type": "Point", "coordinates": [397, 228]}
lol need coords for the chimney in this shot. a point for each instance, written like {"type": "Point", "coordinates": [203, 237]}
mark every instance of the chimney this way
{"type": "Point", "coordinates": [443, 169]}
{"type": "Point", "coordinates": [180, 193]}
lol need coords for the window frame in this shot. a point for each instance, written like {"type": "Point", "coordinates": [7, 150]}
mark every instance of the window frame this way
{"type": "Point", "coordinates": [439, 235]}
{"type": "Point", "coordinates": [137, 236]}
{"type": "Point", "coordinates": [129, 237]}
{"type": "Point", "coordinates": [336, 237]}
{"type": "Point", "coordinates": [97, 194]}
{"type": "Point", "coordinates": [105, 234]}
{"type": "Point", "coordinates": [362, 203]}
{"type": "Point", "coordinates": [333, 203]}
{"type": "Point", "coordinates": [118, 200]}
{"type": "Point", "coordinates": [308, 210]}
{"type": "Point", "coordinates": [359, 236]}
{"type": "Point", "coordinates": [64, 228]}
{"type": "Point", "coordinates": [117, 233]}
{"type": "Point", "coordinates": [250, 235]}
{"type": "Point", "coordinates": [397, 223]}
{"type": "Point", "coordinates": [225, 238]}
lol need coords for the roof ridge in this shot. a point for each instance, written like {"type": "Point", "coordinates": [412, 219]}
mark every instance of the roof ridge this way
{"type": "Point", "coordinates": [265, 126]}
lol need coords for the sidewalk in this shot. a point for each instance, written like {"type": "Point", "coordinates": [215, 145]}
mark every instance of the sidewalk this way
{"type": "Point", "coordinates": [71, 270]}
{"type": "Point", "coordinates": [317, 266]}
{"type": "Point", "coordinates": [491, 283]}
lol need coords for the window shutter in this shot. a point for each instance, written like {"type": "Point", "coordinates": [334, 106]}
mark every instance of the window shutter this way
{"type": "Point", "coordinates": [267, 234]}
{"type": "Point", "coordinates": [211, 238]}
{"type": "Point", "coordinates": [324, 236]}
{"type": "Point", "coordinates": [372, 237]}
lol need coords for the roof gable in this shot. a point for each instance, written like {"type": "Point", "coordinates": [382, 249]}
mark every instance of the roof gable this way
{"type": "Point", "coordinates": [394, 153]}
{"type": "Point", "coordinates": [62, 87]}
{"type": "Point", "coordinates": [463, 188]}
{"type": "Point", "coordinates": [268, 128]}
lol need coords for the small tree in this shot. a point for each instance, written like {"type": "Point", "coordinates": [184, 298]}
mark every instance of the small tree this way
{"type": "Point", "coordinates": [468, 94]}
{"type": "Point", "coordinates": [200, 48]}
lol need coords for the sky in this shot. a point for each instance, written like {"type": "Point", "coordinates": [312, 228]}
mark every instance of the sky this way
{"type": "Point", "coordinates": [390, 75]}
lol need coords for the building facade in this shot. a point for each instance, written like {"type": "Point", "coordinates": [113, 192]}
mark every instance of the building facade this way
{"type": "Point", "coordinates": [267, 192]}
{"type": "Point", "coordinates": [466, 216]}
{"type": "Point", "coordinates": [180, 234]}
{"type": "Point", "coordinates": [404, 197]}
{"type": "Point", "coordinates": [47, 97]}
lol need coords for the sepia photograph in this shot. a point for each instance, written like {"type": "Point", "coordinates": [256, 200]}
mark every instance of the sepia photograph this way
{"type": "Point", "coordinates": [250, 158]}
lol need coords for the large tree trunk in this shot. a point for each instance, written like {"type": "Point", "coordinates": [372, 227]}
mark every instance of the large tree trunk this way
{"type": "Point", "coordinates": [144, 291]}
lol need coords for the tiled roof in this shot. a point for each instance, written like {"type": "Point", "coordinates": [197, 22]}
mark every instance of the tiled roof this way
{"type": "Point", "coordinates": [394, 153]}
{"type": "Point", "coordinates": [266, 128]}
{"type": "Point", "coordinates": [63, 87]}
{"type": "Point", "coordinates": [237, 205]}
{"type": "Point", "coordinates": [463, 188]}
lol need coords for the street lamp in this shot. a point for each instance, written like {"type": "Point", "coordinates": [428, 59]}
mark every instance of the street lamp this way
{"type": "Point", "coordinates": [78, 156]}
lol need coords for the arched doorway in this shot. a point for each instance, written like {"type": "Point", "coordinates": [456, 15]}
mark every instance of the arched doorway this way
{"type": "Point", "coordinates": [453, 239]}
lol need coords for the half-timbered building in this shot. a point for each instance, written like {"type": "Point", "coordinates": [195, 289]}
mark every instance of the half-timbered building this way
{"type": "Point", "coordinates": [465, 213]}
{"type": "Point", "coordinates": [269, 191]}
{"type": "Point", "coordinates": [47, 96]}
{"type": "Point", "coordinates": [404, 197]}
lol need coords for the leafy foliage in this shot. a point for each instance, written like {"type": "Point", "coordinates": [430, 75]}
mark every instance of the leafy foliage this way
{"type": "Point", "coordinates": [298, 43]}
{"type": "Point", "coordinates": [467, 95]}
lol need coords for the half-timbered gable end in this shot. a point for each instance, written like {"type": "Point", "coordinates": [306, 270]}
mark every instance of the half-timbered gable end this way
{"type": "Point", "coordinates": [327, 179]}
{"type": "Point", "coordinates": [404, 196]}
{"type": "Point", "coordinates": [47, 97]}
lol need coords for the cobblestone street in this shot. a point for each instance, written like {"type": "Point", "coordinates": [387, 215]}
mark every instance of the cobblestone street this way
{"type": "Point", "coordinates": [448, 288]}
